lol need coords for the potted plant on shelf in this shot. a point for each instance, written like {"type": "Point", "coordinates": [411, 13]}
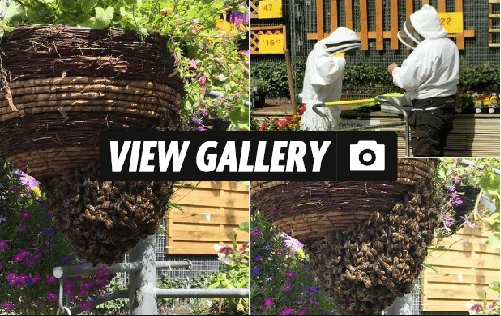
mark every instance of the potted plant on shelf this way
{"type": "Point", "coordinates": [258, 87]}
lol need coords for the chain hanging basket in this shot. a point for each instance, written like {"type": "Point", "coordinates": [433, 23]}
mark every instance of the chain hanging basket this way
{"type": "Point", "coordinates": [367, 240]}
{"type": "Point", "coordinates": [62, 86]}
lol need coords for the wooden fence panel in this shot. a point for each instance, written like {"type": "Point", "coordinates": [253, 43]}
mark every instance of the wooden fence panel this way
{"type": "Point", "coordinates": [379, 34]}
{"type": "Point", "coordinates": [210, 212]}
{"type": "Point", "coordinates": [462, 273]}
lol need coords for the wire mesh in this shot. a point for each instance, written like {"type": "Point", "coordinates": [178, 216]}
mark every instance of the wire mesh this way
{"type": "Point", "coordinates": [300, 19]}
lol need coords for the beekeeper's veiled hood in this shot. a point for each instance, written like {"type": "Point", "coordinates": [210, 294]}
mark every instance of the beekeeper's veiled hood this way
{"type": "Point", "coordinates": [422, 24]}
{"type": "Point", "coordinates": [342, 39]}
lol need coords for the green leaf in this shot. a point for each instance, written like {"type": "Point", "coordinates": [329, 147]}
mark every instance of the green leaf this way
{"type": "Point", "coordinates": [493, 239]}
{"type": "Point", "coordinates": [494, 285]}
{"type": "Point", "coordinates": [14, 10]}
{"type": "Point", "coordinates": [103, 17]}
{"type": "Point", "coordinates": [244, 227]}
{"type": "Point", "coordinates": [88, 5]}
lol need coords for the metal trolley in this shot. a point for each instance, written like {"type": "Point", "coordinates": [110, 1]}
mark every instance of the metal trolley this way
{"type": "Point", "coordinates": [398, 104]}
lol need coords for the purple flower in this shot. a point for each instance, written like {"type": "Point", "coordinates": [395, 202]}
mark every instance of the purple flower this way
{"type": "Point", "coordinates": [50, 279]}
{"type": "Point", "coordinates": [65, 259]}
{"type": "Point", "coordinates": [7, 305]}
{"type": "Point", "coordinates": [26, 215]}
{"type": "Point", "coordinates": [239, 95]}
{"type": "Point", "coordinates": [467, 221]}
{"type": "Point", "coordinates": [22, 227]}
{"type": "Point", "coordinates": [37, 256]}
{"type": "Point", "coordinates": [28, 181]}
{"type": "Point", "coordinates": [457, 180]}
{"type": "Point", "coordinates": [193, 64]}
{"type": "Point", "coordinates": [266, 248]}
{"type": "Point", "coordinates": [291, 275]}
{"type": "Point", "coordinates": [83, 293]}
{"type": "Point", "coordinates": [258, 258]}
{"type": "Point", "coordinates": [202, 80]}
{"type": "Point", "coordinates": [36, 278]}
{"type": "Point", "coordinates": [287, 311]}
{"type": "Point", "coordinates": [256, 270]}
{"type": "Point", "coordinates": [52, 296]}
{"type": "Point", "coordinates": [20, 255]}
{"type": "Point", "coordinates": [301, 312]}
{"type": "Point", "coordinates": [313, 290]}
{"type": "Point", "coordinates": [447, 220]}
{"type": "Point", "coordinates": [287, 286]}
{"type": "Point", "coordinates": [449, 187]}
{"type": "Point", "coordinates": [39, 304]}
{"type": "Point", "coordinates": [85, 305]}
{"type": "Point", "coordinates": [454, 195]}
{"type": "Point", "coordinates": [67, 284]}
{"type": "Point", "coordinates": [457, 202]}
{"type": "Point", "coordinates": [221, 98]}
{"type": "Point", "coordinates": [201, 128]}
{"type": "Point", "coordinates": [30, 261]}
{"type": "Point", "coordinates": [256, 233]}
{"type": "Point", "coordinates": [3, 219]}
{"type": "Point", "coordinates": [268, 302]}
{"type": "Point", "coordinates": [268, 279]}
{"type": "Point", "coordinates": [11, 277]}
{"type": "Point", "coordinates": [3, 244]}
{"type": "Point", "coordinates": [205, 112]}
{"type": "Point", "coordinates": [280, 251]}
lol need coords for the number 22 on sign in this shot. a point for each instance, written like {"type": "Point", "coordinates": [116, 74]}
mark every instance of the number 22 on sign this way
{"type": "Point", "coordinates": [271, 44]}
{"type": "Point", "coordinates": [270, 9]}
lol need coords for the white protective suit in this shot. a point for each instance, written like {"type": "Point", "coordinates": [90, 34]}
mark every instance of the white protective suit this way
{"type": "Point", "coordinates": [323, 79]}
{"type": "Point", "coordinates": [432, 69]}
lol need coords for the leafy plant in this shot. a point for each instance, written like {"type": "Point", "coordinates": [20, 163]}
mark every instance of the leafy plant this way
{"type": "Point", "coordinates": [482, 78]}
{"type": "Point", "coordinates": [206, 50]}
{"type": "Point", "coordinates": [259, 86]}
{"type": "Point", "coordinates": [281, 281]}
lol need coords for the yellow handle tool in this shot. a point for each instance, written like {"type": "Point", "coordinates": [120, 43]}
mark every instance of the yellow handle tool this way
{"type": "Point", "coordinates": [351, 104]}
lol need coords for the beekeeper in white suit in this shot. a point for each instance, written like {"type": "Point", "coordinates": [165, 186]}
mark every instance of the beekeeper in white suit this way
{"type": "Point", "coordinates": [430, 76]}
{"type": "Point", "coordinates": [323, 79]}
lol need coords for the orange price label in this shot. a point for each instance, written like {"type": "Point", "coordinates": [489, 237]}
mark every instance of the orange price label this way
{"type": "Point", "coordinates": [271, 44]}
{"type": "Point", "coordinates": [269, 9]}
{"type": "Point", "coordinates": [452, 22]}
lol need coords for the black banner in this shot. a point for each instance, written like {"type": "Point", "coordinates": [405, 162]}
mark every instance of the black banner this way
{"type": "Point", "coordinates": [235, 156]}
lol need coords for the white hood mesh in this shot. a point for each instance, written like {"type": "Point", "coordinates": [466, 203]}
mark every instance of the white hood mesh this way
{"type": "Point", "coordinates": [342, 39]}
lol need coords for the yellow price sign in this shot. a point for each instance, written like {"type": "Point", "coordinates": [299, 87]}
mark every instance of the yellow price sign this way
{"type": "Point", "coordinates": [271, 44]}
{"type": "Point", "coordinates": [452, 22]}
{"type": "Point", "coordinates": [269, 9]}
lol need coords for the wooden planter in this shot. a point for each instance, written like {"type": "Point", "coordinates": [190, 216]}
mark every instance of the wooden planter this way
{"type": "Point", "coordinates": [63, 85]}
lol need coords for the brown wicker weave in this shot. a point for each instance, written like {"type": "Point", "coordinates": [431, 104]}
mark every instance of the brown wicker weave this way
{"type": "Point", "coordinates": [310, 210]}
{"type": "Point", "coordinates": [62, 86]}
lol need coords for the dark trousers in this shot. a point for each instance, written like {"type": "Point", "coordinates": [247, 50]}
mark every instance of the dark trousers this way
{"type": "Point", "coordinates": [430, 128]}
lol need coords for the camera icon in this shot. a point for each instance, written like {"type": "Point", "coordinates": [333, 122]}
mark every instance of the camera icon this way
{"type": "Point", "coordinates": [367, 155]}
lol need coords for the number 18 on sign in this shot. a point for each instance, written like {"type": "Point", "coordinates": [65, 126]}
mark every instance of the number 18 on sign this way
{"type": "Point", "coordinates": [271, 44]}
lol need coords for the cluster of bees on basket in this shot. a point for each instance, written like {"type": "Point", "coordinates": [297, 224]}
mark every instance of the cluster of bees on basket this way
{"type": "Point", "coordinates": [366, 267]}
{"type": "Point", "coordinates": [105, 219]}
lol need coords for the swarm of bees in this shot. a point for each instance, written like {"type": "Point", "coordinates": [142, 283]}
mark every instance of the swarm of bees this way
{"type": "Point", "coordinates": [104, 219]}
{"type": "Point", "coordinates": [366, 267]}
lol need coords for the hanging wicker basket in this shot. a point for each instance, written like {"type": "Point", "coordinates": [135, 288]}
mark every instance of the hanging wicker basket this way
{"type": "Point", "coordinates": [309, 210]}
{"type": "Point", "coordinates": [62, 85]}
{"type": "Point", "coordinates": [367, 240]}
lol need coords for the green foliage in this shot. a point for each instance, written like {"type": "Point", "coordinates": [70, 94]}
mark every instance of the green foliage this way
{"type": "Point", "coordinates": [281, 280]}
{"type": "Point", "coordinates": [259, 86]}
{"type": "Point", "coordinates": [482, 78]}
{"type": "Point", "coordinates": [207, 55]}
{"type": "Point", "coordinates": [235, 274]}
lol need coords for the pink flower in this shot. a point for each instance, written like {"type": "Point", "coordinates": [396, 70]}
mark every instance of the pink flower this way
{"type": "Point", "coordinates": [26, 215]}
{"type": "Point", "coordinates": [287, 311]}
{"type": "Point", "coordinates": [85, 305]}
{"type": "Point", "coordinates": [20, 255]}
{"type": "Point", "coordinates": [287, 286]}
{"type": "Point", "coordinates": [268, 302]}
{"type": "Point", "coordinates": [22, 227]}
{"type": "Point", "coordinates": [203, 90]}
{"type": "Point", "coordinates": [291, 275]}
{"type": "Point", "coordinates": [7, 305]}
{"type": "Point", "coordinates": [3, 244]}
{"type": "Point", "coordinates": [205, 112]}
{"type": "Point", "coordinates": [193, 64]}
{"type": "Point", "coordinates": [50, 279]}
{"type": "Point", "coordinates": [202, 80]}
{"type": "Point", "coordinates": [221, 98]}
{"type": "Point", "coordinates": [36, 278]}
{"type": "Point", "coordinates": [239, 94]}
{"type": "Point", "coordinates": [52, 296]}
